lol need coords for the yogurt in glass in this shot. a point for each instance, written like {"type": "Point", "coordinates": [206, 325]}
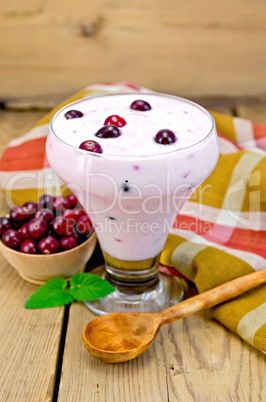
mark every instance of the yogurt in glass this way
{"type": "Point", "coordinates": [144, 155]}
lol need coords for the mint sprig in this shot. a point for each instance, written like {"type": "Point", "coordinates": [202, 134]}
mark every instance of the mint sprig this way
{"type": "Point", "coordinates": [53, 293]}
{"type": "Point", "coordinates": [89, 287]}
{"type": "Point", "coordinates": [57, 292]}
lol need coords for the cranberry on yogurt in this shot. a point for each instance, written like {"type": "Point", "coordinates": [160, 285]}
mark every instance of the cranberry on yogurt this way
{"type": "Point", "coordinates": [73, 114]}
{"type": "Point", "coordinates": [91, 146]}
{"type": "Point", "coordinates": [141, 105]}
{"type": "Point", "coordinates": [115, 120]}
{"type": "Point", "coordinates": [109, 131]}
{"type": "Point", "coordinates": [165, 137]}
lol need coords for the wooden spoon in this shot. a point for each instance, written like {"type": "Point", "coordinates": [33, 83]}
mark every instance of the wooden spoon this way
{"type": "Point", "coordinates": [119, 337]}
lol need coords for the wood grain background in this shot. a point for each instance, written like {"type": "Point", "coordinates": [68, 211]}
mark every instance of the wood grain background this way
{"type": "Point", "coordinates": [194, 359]}
{"type": "Point", "coordinates": [208, 50]}
{"type": "Point", "coordinates": [50, 49]}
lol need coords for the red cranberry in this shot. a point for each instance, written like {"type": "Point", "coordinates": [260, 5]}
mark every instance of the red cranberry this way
{"type": "Point", "coordinates": [66, 203]}
{"type": "Point", "coordinates": [45, 201]}
{"type": "Point", "coordinates": [28, 247]}
{"type": "Point", "coordinates": [57, 203]}
{"type": "Point", "coordinates": [67, 243]}
{"type": "Point", "coordinates": [115, 120]}
{"type": "Point", "coordinates": [78, 212]}
{"type": "Point", "coordinates": [110, 131]}
{"type": "Point", "coordinates": [165, 137]}
{"type": "Point", "coordinates": [73, 201]}
{"type": "Point", "coordinates": [37, 228]}
{"type": "Point", "coordinates": [73, 114]}
{"type": "Point", "coordinates": [140, 105]}
{"type": "Point", "coordinates": [5, 224]}
{"type": "Point", "coordinates": [69, 214]}
{"type": "Point", "coordinates": [31, 208]}
{"type": "Point", "coordinates": [48, 245]}
{"type": "Point", "coordinates": [46, 214]}
{"type": "Point", "coordinates": [91, 146]}
{"type": "Point", "coordinates": [62, 226]}
{"type": "Point", "coordinates": [18, 214]}
{"type": "Point", "coordinates": [11, 238]}
{"type": "Point", "coordinates": [75, 235]}
{"type": "Point", "coordinates": [16, 225]}
{"type": "Point", "coordinates": [23, 231]}
{"type": "Point", "coordinates": [84, 225]}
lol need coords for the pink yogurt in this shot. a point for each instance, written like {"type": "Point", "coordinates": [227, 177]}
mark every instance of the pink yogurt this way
{"type": "Point", "coordinates": [133, 190]}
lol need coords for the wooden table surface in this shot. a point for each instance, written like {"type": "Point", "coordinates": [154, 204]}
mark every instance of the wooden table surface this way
{"type": "Point", "coordinates": [51, 48]}
{"type": "Point", "coordinates": [43, 359]}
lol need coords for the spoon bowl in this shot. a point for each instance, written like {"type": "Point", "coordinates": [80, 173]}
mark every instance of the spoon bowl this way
{"type": "Point", "coordinates": [120, 337]}
{"type": "Point", "coordinates": [114, 336]}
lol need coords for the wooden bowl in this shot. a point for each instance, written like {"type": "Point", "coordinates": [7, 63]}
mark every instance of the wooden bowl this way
{"type": "Point", "coordinates": [39, 268]}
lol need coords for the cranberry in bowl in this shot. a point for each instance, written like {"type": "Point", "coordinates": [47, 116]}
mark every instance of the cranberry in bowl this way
{"type": "Point", "coordinates": [40, 253]}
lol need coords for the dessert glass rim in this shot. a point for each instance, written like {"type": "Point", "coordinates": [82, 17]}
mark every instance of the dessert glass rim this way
{"type": "Point", "coordinates": [161, 155]}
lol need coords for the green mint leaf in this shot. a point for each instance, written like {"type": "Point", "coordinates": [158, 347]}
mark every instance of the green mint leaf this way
{"type": "Point", "coordinates": [53, 293]}
{"type": "Point", "coordinates": [85, 286]}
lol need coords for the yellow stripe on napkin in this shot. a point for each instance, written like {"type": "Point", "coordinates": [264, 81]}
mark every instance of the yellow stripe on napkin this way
{"type": "Point", "coordinates": [208, 267]}
{"type": "Point", "coordinates": [225, 124]}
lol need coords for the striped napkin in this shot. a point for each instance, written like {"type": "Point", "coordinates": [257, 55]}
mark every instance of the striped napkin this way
{"type": "Point", "coordinates": [220, 233]}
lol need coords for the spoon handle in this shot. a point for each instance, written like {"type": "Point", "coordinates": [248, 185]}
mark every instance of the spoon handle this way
{"type": "Point", "coordinates": [212, 297]}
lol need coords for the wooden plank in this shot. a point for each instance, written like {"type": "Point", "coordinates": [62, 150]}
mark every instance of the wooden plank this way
{"type": "Point", "coordinates": [208, 363]}
{"type": "Point", "coordinates": [192, 359]}
{"type": "Point", "coordinates": [49, 50]}
{"type": "Point", "coordinates": [255, 113]}
{"type": "Point", "coordinates": [29, 338]}
{"type": "Point", "coordinates": [86, 379]}
{"type": "Point", "coordinates": [29, 342]}
{"type": "Point", "coordinates": [221, 109]}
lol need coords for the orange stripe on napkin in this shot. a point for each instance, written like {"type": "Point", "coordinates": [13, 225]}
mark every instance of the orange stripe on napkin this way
{"type": "Point", "coordinates": [236, 238]}
{"type": "Point", "coordinates": [260, 135]}
{"type": "Point", "coordinates": [26, 156]}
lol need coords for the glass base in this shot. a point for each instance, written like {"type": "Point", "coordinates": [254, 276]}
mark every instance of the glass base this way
{"type": "Point", "coordinates": [164, 292]}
